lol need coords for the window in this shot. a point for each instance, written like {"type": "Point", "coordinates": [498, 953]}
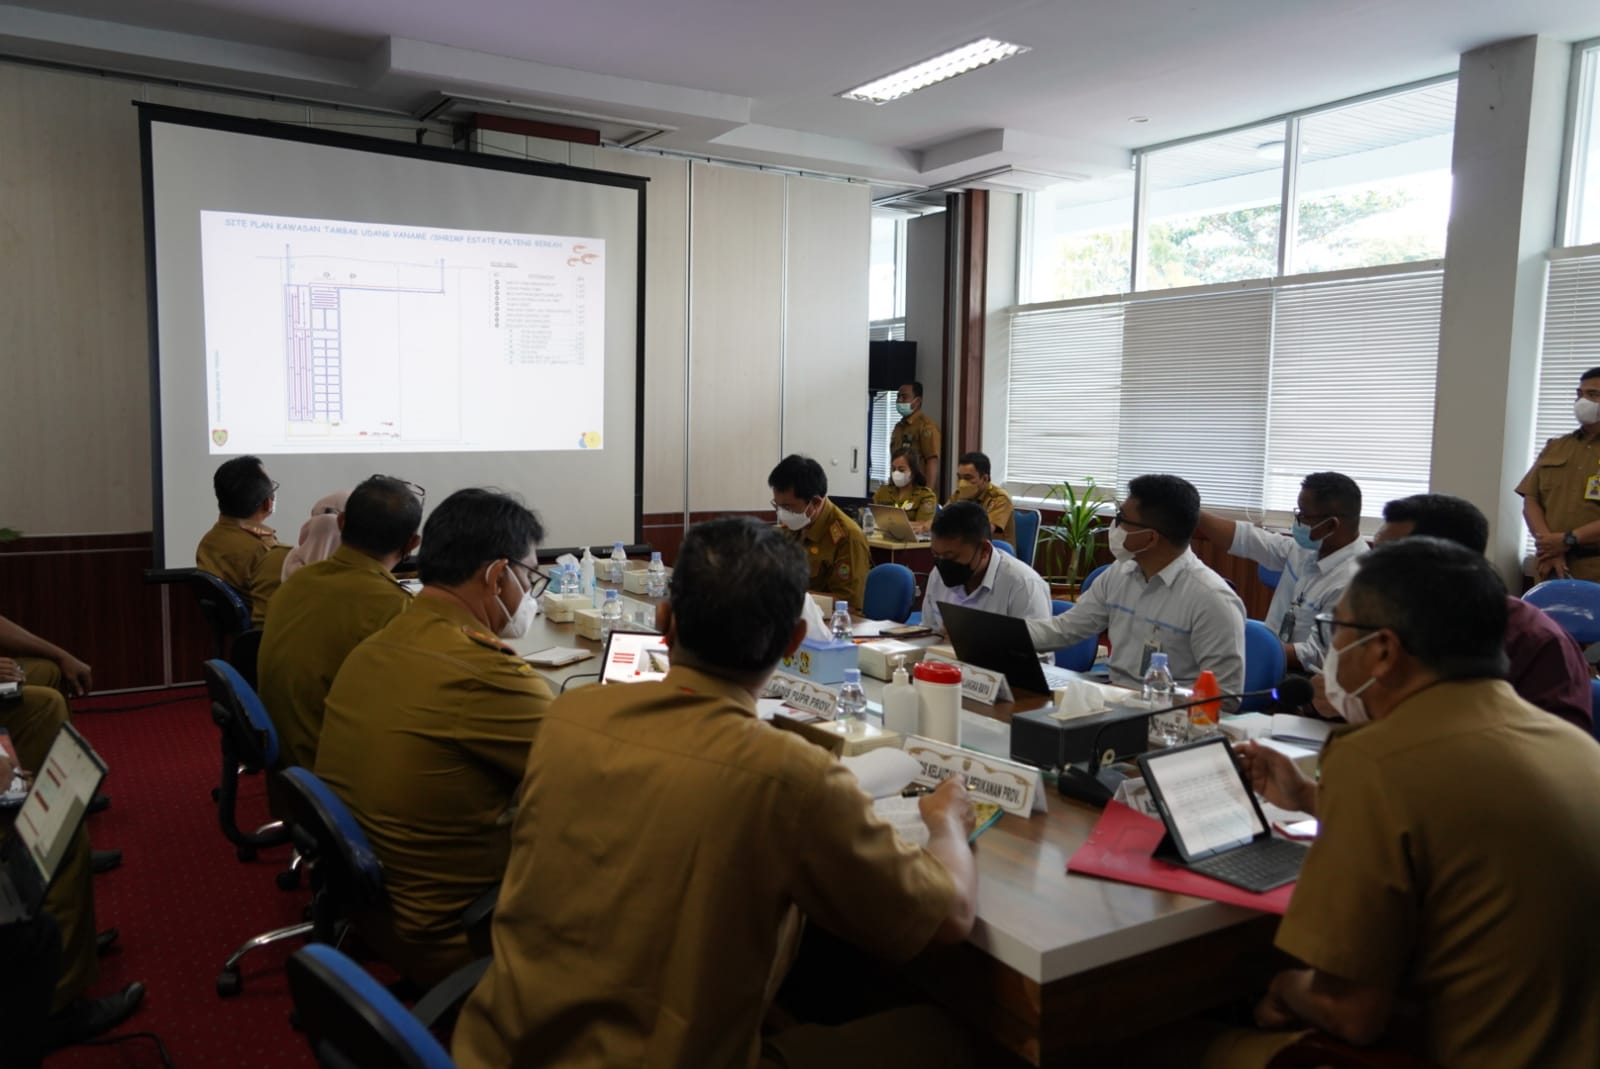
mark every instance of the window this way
{"type": "Point", "coordinates": [1065, 395]}
{"type": "Point", "coordinates": [880, 421]}
{"type": "Point", "coordinates": [1373, 185]}
{"type": "Point", "coordinates": [1570, 346]}
{"type": "Point", "coordinates": [1078, 240]}
{"type": "Point", "coordinates": [886, 298]}
{"type": "Point", "coordinates": [1213, 209]}
{"type": "Point", "coordinates": [1583, 190]}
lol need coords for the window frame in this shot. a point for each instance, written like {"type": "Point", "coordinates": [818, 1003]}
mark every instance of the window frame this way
{"type": "Point", "coordinates": [1575, 141]}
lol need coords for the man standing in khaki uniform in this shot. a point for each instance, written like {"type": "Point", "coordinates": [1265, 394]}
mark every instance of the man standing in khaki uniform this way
{"type": "Point", "coordinates": [240, 549]}
{"type": "Point", "coordinates": [916, 432]}
{"type": "Point", "coordinates": [326, 609]}
{"type": "Point", "coordinates": [1561, 494]}
{"type": "Point", "coordinates": [665, 835]}
{"type": "Point", "coordinates": [835, 547]}
{"type": "Point", "coordinates": [426, 731]}
{"type": "Point", "coordinates": [972, 484]}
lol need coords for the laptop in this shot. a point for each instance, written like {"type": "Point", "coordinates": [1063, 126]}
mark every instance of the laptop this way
{"type": "Point", "coordinates": [1214, 823]}
{"type": "Point", "coordinates": [51, 816]}
{"type": "Point", "coordinates": [893, 523]}
{"type": "Point", "coordinates": [634, 657]}
{"type": "Point", "coordinates": [1001, 644]}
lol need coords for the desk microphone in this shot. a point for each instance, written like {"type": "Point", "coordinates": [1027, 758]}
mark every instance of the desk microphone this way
{"type": "Point", "coordinates": [1090, 784]}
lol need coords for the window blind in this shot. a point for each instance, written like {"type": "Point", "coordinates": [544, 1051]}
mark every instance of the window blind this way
{"type": "Point", "coordinates": [887, 330]}
{"type": "Point", "coordinates": [1570, 345]}
{"type": "Point", "coordinates": [881, 421]}
{"type": "Point", "coordinates": [1064, 395]}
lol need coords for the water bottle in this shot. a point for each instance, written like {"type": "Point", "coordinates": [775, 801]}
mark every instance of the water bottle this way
{"type": "Point", "coordinates": [840, 624]}
{"type": "Point", "coordinates": [655, 577]}
{"type": "Point", "coordinates": [1166, 729]}
{"type": "Point", "coordinates": [869, 522]}
{"type": "Point", "coordinates": [569, 579]}
{"type": "Point", "coordinates": [610, 615]}
{"type": "Point", "coordinates": [586, 573]}
{"type": "Point", "coordinates": [849, 711]}
{"type": "Point", "coordinates": [619, 562]}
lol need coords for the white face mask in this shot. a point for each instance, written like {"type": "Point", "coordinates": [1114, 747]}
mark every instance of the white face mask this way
{"type": "Point", "coordinates": [517, 623]}
{"type": "Point", "coordinates": [900, 478]}
{"type": "Point", "coordinates": [793, 520]}
{"type": "Point", "coordinates": [1347, 703]}
{"type": "Point", "coordinates": [1586, 410]}
{"type": "Point", "coordinates": [1117, 538]}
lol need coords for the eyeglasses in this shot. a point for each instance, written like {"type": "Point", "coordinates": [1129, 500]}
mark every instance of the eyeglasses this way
{"type": "Point", "coordinates": [1310, 519]}
{"type": "Point", "coordinates": [537, 580]}
{"type": "Point", "coordinates": [421, 494]}
{"type": "Point", "coordinates": [1326, 624]}
{"type": "Point", "coordinates": [1119, 520]}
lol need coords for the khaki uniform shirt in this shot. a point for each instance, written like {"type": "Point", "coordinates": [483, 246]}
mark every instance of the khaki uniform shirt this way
{"type": "Point", "coordinates": [662, 837]}
{"type": "Point", "coordinates": [997, 503]}
{"type": "Point", "coordinates": [918, 502]}
{"type": "Point", "coordinates": [320, 615]}
{"type": "Point", "coordinates": [424, 736]}
{"type": "Point", "coordinates": [917, 433]}
{"type": "Point", "coordinates": [838, 555]}
{"type": "Point", "coordinates": [1558, 481]}
{"type": "Point", "coordinates": [1458, 863]}
{"type": "Point", "coordinates": [248, 558]}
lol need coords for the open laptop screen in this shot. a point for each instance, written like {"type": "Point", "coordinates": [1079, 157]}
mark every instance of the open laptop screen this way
{"type": "Point", "coordinates": [634, 657]}
{"type": "Point", "coordinates": [60, 797]}
{"type": "Point", "coordinates": [1207, 802]}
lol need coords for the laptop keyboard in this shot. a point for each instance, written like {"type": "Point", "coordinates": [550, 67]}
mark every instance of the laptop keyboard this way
{"type": "Point", "coordinates": [1258, 867]}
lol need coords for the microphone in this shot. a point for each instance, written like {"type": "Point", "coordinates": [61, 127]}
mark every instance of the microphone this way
{"type": "Point", "coordinates": [1088, 784]}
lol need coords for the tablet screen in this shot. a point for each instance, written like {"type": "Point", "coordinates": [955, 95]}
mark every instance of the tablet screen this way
{"type": "Point", "coordinates": [1206, 798]}
{"type": "Point", "coordinates": [634, 657]}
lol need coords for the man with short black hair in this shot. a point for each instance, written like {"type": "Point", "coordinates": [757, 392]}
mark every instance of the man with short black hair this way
{"type": "Point", "coordinates": [327, 608]}
{"type": "Point", "coordinates": [1457, 861]}
{"type": "Point", "coordinates": [1317, 560]}
{"type": "Point", "coordinates": [1547, 666]}
{"type": "Point", "coordinates": [1157, 596]}
{"type": "Point", "coordinates": [836, 550]}
{"type": "Point", "coordinates": [426, 729]}
{"type": "Point", "coordinates": [1561, 493]}
{"type": "Point", "coordinates": [973, 484]}
{"type": "Point", "coordinates": [240, 549]}
{"type": "Point", "coordinates": [650, 926]}
{"type": "Point", "coordinates": [969, 571]}
{"type": "Point", "coordinates": [916, 432]}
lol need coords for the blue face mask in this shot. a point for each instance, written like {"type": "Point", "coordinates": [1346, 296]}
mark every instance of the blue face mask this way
{"type": "Point", "coordinates": [1303, 539]}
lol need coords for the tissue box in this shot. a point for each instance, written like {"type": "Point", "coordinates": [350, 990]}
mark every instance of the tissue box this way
{"type": "Point", "coordinates": [825, 603]}
{"type": "Point", "coordinates": [588, 622]}
{"type": "Point", "coordinates": [558, 608]}
{"type": "Point", "coordinates": [822, 662]}
{"type": "Point", "coordinates": [636, 578]}
{"type": "Point", "coordinates": [824, 734]}
{"type": "Point", "coordinates": [877, 658]}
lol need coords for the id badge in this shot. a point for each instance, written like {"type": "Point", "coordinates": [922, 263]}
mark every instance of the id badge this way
{"type": "Point", "coordinates": [1591, 490]}
{"type": "Point", "coordinates": [1286, 629]}
{"type": "Point", "coordinates": [1150, 646]}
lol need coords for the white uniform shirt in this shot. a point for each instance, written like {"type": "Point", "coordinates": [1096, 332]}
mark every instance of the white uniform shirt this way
{"type": "Point", "coordinates": [1185, 610]}
{"type": "Point", "coordinates": [1009, 587]}
{"type": "Point", "coordinates": [1309, 586]}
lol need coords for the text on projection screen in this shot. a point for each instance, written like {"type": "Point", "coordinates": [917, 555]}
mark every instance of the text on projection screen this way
{"type": "Point", "coordinates": [325, 336]}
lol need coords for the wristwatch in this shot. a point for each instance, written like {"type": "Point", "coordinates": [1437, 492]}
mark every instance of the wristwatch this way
{"type": "Point", "coordinates": [1571, 540]}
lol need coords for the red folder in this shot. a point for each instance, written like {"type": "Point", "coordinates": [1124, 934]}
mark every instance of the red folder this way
{"type": "Point", "coordinates": [1120, 846]}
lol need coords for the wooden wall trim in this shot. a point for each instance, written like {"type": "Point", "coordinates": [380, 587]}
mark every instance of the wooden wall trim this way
{"type": "Point", "coordinates": [974, 315]}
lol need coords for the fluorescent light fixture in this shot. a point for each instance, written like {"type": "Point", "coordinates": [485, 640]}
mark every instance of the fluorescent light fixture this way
{"type": "Point", "coordinates": [1270, 150]}
{"type": "Point", "coordinates": [940, 68]}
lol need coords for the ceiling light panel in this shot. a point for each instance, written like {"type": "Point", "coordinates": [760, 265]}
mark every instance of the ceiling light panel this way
{"type": "Point", "coordinates": [940, 68]}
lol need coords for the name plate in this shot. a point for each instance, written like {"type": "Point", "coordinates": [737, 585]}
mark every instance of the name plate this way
{"type": "Point", "coordinates": [979, 684]}
{"type": "Point", "coordinates": [802, 694]}
{"type": "Point", "coordinates": [1016, 788]}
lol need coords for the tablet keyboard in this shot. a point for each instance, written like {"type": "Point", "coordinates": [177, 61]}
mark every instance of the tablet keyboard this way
{"type": "Point", "coordinates": [1259, 866]}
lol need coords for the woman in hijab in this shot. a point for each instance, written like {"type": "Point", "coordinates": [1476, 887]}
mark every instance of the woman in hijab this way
{"type": "Point", "coordinates": [319, 536]}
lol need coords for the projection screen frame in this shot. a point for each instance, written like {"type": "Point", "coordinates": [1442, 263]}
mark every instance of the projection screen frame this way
{"type": "Point", "coordinates": [153, 113]}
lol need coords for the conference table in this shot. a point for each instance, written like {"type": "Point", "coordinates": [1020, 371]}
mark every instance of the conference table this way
{"type": "Point", "coordinates": [1058, 966]}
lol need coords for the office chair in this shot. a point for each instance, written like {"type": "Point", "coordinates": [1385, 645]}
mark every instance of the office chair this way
{"type": "Point", "coordinates": [352, 1021]}
{"type": "Point", "coordinates": [1264, 664]}
{"type": "Point", "coordinates": [1027, 534]}
{"type": "Point", "coordinates": [243, 655]}
{"type": "Point", "coordinates": [1316, 1050]}
{"type": "Point", "coordinates": [1572, 603]}
{"type": "Point", "coordinates": [1269, 578]}
{"type": "Point", "coordinates": [1594, 706]}
{"type": "Point", "coordinates": [225, 610]}
{"type": "Point", "coordinates": [1088, 580]}
{"type": "Point", "coordinates": [1080, 656]}
{"type": "Point", "coordinates": [249, 745]}
{"type": "Point", "coordinates": [891, 588]}
{"type": "Point", "coordinates": [1004, 547]}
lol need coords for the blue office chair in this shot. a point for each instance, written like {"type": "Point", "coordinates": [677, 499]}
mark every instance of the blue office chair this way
{"type": "Point", "coordinates": [1005, 547]}
{"type": "Point", "coordinates": [891, 588]}
{"type": "Point", "coordinates": [1027, 534]}
{"type": "Point", "coordinates": [1078, 657]}
{"type": "Point", "coordinates": [1264, 663]}
{"type": "Point", "coordinates": [352, 1021]}
{"type": "Point", "coordinates": [346, 875]}
{"type": "Point", "coordinates": [1088, 580]}
{"type": "Point", "coordinates": [1269, 578]}
{"type": "Point", "coordinates": [225, 610]}
{"type": "Point", "coordinates": [1573, 603]}
{"type": "Point", "coordinates": [1594, 706]}
{"type": "Point", "coordinates": [249, 746]}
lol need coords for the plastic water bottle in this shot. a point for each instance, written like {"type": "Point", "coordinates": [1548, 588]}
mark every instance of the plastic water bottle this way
{"type": "Point", "coordinates": [840, 624]}
{"type": "Point", "coordinates": [610, 615]}
{"type": "Point", "coordinates": [849, 711]}
{"type": "Point", "coordinates": [619, 562]}
{"type": "Point", "coordinates": [869, 522]}
{"type": "Point", "coordinates": [1166, 729]}
{"type": "Point", "coordinates": [569, 579]}
{"type": "Point", "coordinates": [655, 577]}
{"type": "Point", "coordinates": [586, 572]}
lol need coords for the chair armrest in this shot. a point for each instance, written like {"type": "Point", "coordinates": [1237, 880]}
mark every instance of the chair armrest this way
{"type": "Point", "coordinates": [448, 994]}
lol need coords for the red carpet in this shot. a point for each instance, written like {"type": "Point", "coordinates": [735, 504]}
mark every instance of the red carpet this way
{"type": "Point", "coordinates": [181, 899]}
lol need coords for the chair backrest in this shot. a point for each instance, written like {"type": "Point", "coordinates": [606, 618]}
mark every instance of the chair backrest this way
{"type": "Point", "coordinates": [242, 655]}
{"type": "Point", "coordinates": [891, 588]}
{"type": "Point", "coordinates": [346, 867]}
{"type": "Point", "coordinates": [1027, 534]}
{"type": "Point", "coordinates": [1078, 657]}
{"type": "Point", "coordinates": [1573, 603]}
{"type": "Point", "coordinates": [1004, 547]}
{"type": "Point", "coordinates": [1594, 706]}
{"type": "Point", "coordinates": [1269, 578]}
{"type": "Point", "coordinates": [237, 709]}
{"type": "Point", "coordinates": [1088, 580]}
{"type": "Point", "coordinates": [352, 1020]}
{"type": "Point", "coordinates": [224, 608]}
{"type": "Point", "coordinates": [1264, 663]}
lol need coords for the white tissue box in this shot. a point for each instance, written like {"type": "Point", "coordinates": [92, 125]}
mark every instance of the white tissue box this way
{"type": "Point", "coordinates": [877, 658]}
{"type": "Point", "coordinates": [636, 577]}
{"type": "Point", "coordinates": [588, 622]}
{"type": "Point", "coordinates": [558, 608]}
{"type": "Point", "coordinates": [825, 603]}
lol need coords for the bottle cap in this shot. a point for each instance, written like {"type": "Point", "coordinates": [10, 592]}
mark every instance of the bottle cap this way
{"type": "Point", "coordinates": [841, 606]}
{"type": "Point", "coordinates": [852, 675]}
{"type": "Point", "coordinates": [611, 595]}
{"type": "Point", "coordinates": [937, 672]}
{"type": "Point", "coordinates": [655, 555]}
{"type": "Point", "coordinates": [1158, 660]}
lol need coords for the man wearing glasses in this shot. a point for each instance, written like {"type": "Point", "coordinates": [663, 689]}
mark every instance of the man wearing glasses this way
{"type": "Point", "coordinates": [1316, 560]}
{"type": "Point", "coordinates": [427, 728]}
{"type": "Point", "coordinates": [240, 549]}
{"type": "Point", "coordinates": [326, 609]}
{"type": "Point", "coordinates": [1158, 596]}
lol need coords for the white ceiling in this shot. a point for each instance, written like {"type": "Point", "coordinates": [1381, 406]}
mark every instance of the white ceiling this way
{"type": "Point", "coordinates": [755, 79]}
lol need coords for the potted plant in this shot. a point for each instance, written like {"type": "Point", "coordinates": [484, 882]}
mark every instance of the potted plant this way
{"type": "Point", "coordinates": [1066, 551]}
{"type": "Point", "coordinates": [9, 535]}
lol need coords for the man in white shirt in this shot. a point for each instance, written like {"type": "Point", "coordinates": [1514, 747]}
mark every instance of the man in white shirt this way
{"type": "Point", "coordinates": [1317, 560]}
{"type": "Point", "coordinates": [969, 571]}
{"type": "Point", "coordinates": [1158, 596]}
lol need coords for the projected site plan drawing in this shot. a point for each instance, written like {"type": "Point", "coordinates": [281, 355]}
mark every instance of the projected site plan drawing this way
{"type": "Point", "coordinates": [325, 336]}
